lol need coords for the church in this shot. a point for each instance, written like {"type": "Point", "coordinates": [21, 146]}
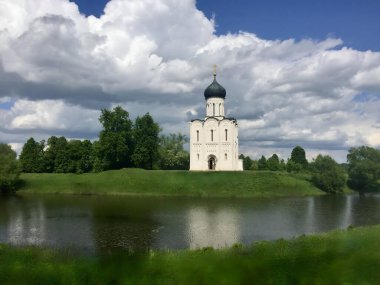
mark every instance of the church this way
{"type": "Point", "coordinates": [214, 142]}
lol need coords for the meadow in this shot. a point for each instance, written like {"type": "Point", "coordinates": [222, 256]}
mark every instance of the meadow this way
{"type": "Point", "coordinates": [172, 183]}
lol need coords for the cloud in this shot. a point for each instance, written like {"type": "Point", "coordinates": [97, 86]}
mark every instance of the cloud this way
{"type": "Point", "coordinates": [59, 67]}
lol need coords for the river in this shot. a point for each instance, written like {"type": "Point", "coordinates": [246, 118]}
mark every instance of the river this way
{"type": "Point", "coordinates": [93, 224]}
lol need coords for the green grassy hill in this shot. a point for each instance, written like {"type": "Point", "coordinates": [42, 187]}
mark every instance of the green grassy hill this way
{"type": "Point", "coordinates": [172, 183]}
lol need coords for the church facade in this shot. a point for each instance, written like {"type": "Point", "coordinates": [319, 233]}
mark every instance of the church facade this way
{"type": "Point", "coordinates": [214, 140]}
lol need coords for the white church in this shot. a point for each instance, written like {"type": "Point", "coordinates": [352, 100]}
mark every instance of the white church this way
{"type": "Point", "coordinates": [214, 140]}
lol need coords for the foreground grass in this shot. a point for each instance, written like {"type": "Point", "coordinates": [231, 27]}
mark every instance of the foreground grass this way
{"type": "Point", "coordinates": [172, 183]}
{"type": "Point", "coordinates": [340, 257]}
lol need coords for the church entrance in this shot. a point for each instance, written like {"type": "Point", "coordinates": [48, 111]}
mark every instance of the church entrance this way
{"type": "Point", "coordinates": [211, 163]}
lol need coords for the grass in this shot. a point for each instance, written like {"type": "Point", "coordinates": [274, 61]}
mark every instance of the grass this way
{"type": "Point", "coordinates": [172, 183]}
{"type": "Point", "coordinates": [340, 257]}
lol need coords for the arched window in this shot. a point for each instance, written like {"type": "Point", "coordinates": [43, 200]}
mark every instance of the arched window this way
{"type": "Point", "coordinates": [220, 113]}
{"type": "Point", "coordinates": [212, 135]}
{"type": "Point", "coordinates": [226, 132]}
{"type": "Point", "coordinates": [225, 156]}
{"type": "Point", "coordinates": [198, 156]}
{"type": "Point", "coordinates": [197, 136]}
{"type": "Point", "coordinates": [213, 109]}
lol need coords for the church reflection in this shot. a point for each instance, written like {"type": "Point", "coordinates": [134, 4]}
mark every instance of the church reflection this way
{"type": "Point", "coordinates": [218, 228]}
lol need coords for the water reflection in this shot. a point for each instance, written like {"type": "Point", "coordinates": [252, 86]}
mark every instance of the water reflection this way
{"type": "Point", "coordinates": [27, 231]}
{"type": "Point", "coordinates": [208, 228]}
{"type": "Point", "coordinates": [96, 224]}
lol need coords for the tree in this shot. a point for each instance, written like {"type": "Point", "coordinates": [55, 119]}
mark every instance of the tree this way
{"type": "Point", "coordinates": [85, 163]}
{"type": "Point", "coordinates": [247, 162]}
{"type": "Point", "coordinates": [32, 156]}
{"type": "Point", "coordinates": [9, 169]}
{"type": "Point", "coordinates": [57, 155]}
{"type": "Point", "coordinates": [298, 155]}
{"type": "Point", "coordinates": [115, 145]}
{"type": "Point", "coordinates": [273, 163]}
{"type": "Point", "coordinates": [79, 156]}
{"type": "Point", "coordinates": [292, 166]}
{"type": "Point", "coordinates": [364, 169]}
{"type": "Point", "coordinates": [145, 134]}
{"type": "Point", "coordinates": [262, 163]}
{"type": "Point", "coordinates": [171, 152]}
{"type": "Point", "coordinates": [327, 175]}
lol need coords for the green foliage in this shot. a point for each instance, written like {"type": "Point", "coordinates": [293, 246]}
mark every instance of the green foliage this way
{"type": "Point", "coordinates": [292, 166]}
{"type": "Point", "coordinates": [273, 163]}
{"type": "Point", "coordinates": [56, 155]}
{"type": "Point", "coordinates": [327, 175]}
{"type": "Point", "coordinates": [364, 169]}
{"type": "Point", "coordinates": [79, 156]}
{"type": "Point", "coordinates": [172, 155]}
{"type": "Point", "coordinates": [339, 257]}
{"type": "Point", "coordinates": [262, 163]}
{"type": "Point", "coordinates": [115, 145]}
{"type": "Point", "coordinates": [247, 162]}
{"type": "Point", "coordinates": [298, 155]}
{"type": "Point", "coordinates": [32, 156]}
{"type": "Point", "coordinates": [145, 134]}
{"type": "Point", "coordinates": [9, 169]}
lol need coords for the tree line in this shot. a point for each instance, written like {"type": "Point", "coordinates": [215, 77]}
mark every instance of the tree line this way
{"type": "Point", "coordinates": [361, 172]}
{"type": "Point", "coordinates": [122, 143]}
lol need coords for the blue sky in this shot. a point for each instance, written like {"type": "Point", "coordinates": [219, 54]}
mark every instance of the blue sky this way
{"type": "Point", "coordinates": [356, 22]}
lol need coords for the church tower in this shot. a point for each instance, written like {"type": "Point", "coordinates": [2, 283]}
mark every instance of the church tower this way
{"type": "Point", "coordinates": [214, 139]}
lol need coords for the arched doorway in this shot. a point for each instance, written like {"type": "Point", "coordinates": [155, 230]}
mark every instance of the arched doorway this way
{"type": "Point", "coordinates": [211, 162]}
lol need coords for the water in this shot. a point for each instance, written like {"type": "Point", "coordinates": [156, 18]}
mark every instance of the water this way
{"type": "Point", "coordinates": [96, 223]}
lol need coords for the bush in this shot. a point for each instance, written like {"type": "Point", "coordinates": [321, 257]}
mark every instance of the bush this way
{"type": "Point", "coordinates": [9, 169]}
{"type": "Point", "coordinates": [327, 175]}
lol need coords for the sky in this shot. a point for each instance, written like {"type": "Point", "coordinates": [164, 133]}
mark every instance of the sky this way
{"type": "Point", "coordinates": [296, 72]}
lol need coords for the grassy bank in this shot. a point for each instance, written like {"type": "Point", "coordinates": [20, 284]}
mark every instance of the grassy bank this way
{"type": "Point", "coordinates": [171, 183]}
{"type": "Point", "coordinates": [340, 257]}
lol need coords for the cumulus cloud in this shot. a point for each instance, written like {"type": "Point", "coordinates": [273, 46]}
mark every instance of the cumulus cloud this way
{"type": "Point", "coordinates": [59, 67]}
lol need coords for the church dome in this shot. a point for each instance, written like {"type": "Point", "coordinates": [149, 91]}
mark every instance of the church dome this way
{"type": "Point", "coordinates": [215, 90]}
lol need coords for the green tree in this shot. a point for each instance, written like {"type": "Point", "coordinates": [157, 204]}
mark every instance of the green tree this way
{"type": "Point", "coordinates": [327, 175]}
{"type": "Point", "coordinates": [85, 163]}
{"type": "Point", "coordinates": [145, 134]}
{"type": "Point", "coordinates": [115, 145]}
{"type": "Point", "coordinates": [262, 163]}
{"type": "Point", "coordinates": [57, 155]}
{"type": "Point", "coordinates": [364, 169]}
{"type": "Point", "coordinates": [298, 155]}
{"type": "Point", "coordinates": [32, 156]}
{"type": "Point", "coordinates": [273, 163]}
{"type": "Point", "coordinates": [171, 152]}
{"type": "Point", "coordinates": [9, 169]}
{"type": "Point", "coordinates": [247, 162]}
{"type": "Point", "coordinates": [292, 166]}
{"type": "Point", "coordinates": [282, 165]}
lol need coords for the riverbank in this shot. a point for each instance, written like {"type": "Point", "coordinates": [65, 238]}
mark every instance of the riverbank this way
{"type": "Point", "coordinates": [341, 257]}
{"type": "Point", "coordinates": [172, 183]}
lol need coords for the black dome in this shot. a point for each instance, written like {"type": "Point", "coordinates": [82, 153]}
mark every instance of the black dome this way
{"type": "Point", "coordinates": [215, 90]}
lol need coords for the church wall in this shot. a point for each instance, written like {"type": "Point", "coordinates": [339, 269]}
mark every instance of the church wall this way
{"type": "Point", "coordinates": [215, 107]}
{"type": "Point", "coordinates": [202, 146]}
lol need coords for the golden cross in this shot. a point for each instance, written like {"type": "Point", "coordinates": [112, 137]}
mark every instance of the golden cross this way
{"type": "Point", "coordinates": [214, 68]}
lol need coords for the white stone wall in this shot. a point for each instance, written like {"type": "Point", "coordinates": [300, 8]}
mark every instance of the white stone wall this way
{"type": "Point", "coordinates": [215, 107]}
{"type": "Point", "coordinates": [216, 137]}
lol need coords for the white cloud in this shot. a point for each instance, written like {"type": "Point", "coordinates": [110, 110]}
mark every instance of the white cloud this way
{"type": "Point", "coordinates": [60, 67]}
